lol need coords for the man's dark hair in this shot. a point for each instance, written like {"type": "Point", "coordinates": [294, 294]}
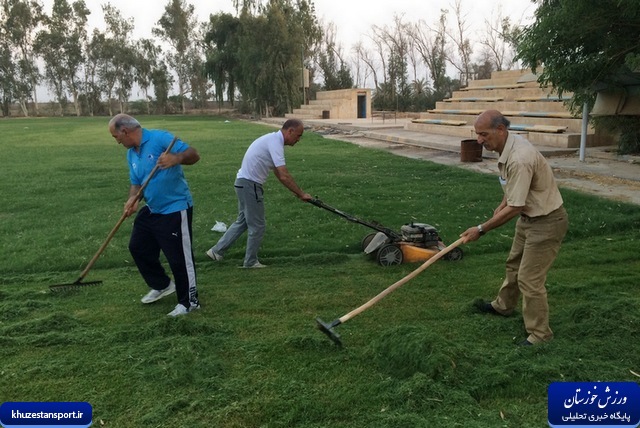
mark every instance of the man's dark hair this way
{"type": "Point", "coordinates": [500, 120]}
{"type": "Point", "coordinates": [292, 123]}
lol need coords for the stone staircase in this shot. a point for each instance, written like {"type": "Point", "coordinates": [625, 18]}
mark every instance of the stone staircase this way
{"type": "Point", "coordinates": [336, 104]}
{"type": "Point", "coordinates": [535, 112]}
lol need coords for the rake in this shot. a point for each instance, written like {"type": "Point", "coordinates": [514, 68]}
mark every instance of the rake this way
{"type": "Point", "coordinates": [327, 328]}
{"type": "Point", "coordinates": [79, 282]}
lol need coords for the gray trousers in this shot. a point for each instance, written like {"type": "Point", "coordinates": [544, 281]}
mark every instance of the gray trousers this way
{"type": "Point", "coordinates": [250, 217]}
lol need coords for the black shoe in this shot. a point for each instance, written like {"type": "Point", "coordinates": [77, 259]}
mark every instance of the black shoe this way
{"type": "Point", "coordinates": [485, 307]}
{"type": "Point", "coordinates": [525, 343]}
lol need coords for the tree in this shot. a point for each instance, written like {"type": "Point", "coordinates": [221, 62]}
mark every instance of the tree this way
{"type": "Point", "coordinates": [96, 65]}
{"type": "Point", "coordinates": [361, 69]}
{"type": "Point", "coordinates": [7, 73]}
{"type": "Point", "coordinates": [162, 81]}
{"type": "Point", "coordinates": [20, 20]}
{"type": "Point", "coordinates": [61, 46]}
{"type": "Point", "coordinates": [597, 54]}
{"type": "Point", "coordinates": [497, 42]}
{"type": "Point", "coordinates": [364, 55]}
{"type": "Point", "coordinates": [397, 41]}
{"type": "Point", "coordinates": [120, 56]}
{"type": "Point", "coordinates": [146, 60]}
{"type": "Point", "coordinates": [432, 46]}
{"type": "Point", "coordinates": [198, 79]}
{"type": "Point", "coordinates": [177, 27]}
{"type": "Point", "coordinates": [272, 46]}
{"type": "Point", "coordinates": [380, 51]}
{"type": "Point", "coordinates": [463, 46]}
{"type": "Point", "coordinates": [222, 44]}
{"type": "Point", "coordinates": [332, 63]}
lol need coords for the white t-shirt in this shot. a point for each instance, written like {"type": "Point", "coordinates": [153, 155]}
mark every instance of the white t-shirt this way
{"type": "Point", "coordinates": [264, 154]}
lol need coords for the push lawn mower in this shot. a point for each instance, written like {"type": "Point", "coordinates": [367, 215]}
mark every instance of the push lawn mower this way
{"type": "Point", "coordinates": [416, 242]}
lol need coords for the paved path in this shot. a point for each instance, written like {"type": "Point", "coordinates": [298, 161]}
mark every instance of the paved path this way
{"type": "Point", "coordinates": [602, 173]}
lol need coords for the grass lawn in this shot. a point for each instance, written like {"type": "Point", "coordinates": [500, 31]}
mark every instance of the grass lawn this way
{"type": "Point", "coordinates": [252, 357]}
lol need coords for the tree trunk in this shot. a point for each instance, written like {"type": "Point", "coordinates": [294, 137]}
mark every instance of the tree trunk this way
{"type": "Point", "coordinates": [182, 92]}
{"type": "Point", "coordinates": [5, 107]}
{"type": "Point", "coordinates": [76, 103]}
{"type": "Point", "coordinates": [23, 107]}
{"type": "Point", "coordinates": [35, 102]}
{"type": "Point", "coordinates": [146, 99]}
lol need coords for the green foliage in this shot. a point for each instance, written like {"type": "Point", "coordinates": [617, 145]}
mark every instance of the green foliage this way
{"type": "Point", "coordinates": [178, 27]}
{"type": "Point", "coordinates": [7, 73]}
{"type": "Point", "coordinates": [252, 357]}
{"type": "Point", "coordinates": [627, 129]}
{"type": "Point", "coordinates": [222, 62]}
{"type": "Point", "coordinates": [265, 70]}
{"type": "Point", "coordinates": [582, 46]}
{"type": "Point", "coordinates": [61, 46]}
{"type": "Point", "coordinates": [19, 22]}
{"type": "Point", "coordinates": [335, 71]}
{"type": "Point", "coordinates": [577, 57]}
{"type": "Point", "coordinates": [335, 76]}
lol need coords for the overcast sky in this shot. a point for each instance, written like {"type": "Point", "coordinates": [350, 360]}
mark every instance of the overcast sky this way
{"type": "Point", "coordinates": [353, 18]}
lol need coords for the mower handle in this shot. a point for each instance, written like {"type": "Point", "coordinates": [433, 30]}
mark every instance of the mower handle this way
{"type": "Point", "coordinates": [390, 233]}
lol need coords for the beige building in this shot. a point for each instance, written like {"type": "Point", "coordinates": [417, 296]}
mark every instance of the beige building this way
{"type": "Point", "coordinates": [338, 104]}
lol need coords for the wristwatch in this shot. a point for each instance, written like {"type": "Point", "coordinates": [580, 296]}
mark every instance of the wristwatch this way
{"type": "Point", "coordinates": [480, 229]}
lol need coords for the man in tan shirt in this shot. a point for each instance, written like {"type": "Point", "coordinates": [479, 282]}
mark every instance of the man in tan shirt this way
{"type": "Point", "coordinates": [532, 195]}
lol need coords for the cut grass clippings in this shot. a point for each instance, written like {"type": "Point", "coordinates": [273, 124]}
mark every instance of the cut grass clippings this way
{"type": "Point", "coordinates": [252, 357]}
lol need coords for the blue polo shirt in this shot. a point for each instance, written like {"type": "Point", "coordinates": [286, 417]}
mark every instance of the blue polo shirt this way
{"type": "Point", "coordinates": [167, 191]}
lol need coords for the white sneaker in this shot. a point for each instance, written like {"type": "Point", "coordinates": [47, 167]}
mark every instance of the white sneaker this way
{"type": "Point", "coordinates": [181, 309]}
{"type": "Point", "coordinates": [154, 295]}
{"type": "Point", "coordinates": [255, 266]}
{"type": "Point", "coordinates": [214, 256]}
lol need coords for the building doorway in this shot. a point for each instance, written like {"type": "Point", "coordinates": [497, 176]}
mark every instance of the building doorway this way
{"type": "Point", "coordinates": [362, 106]}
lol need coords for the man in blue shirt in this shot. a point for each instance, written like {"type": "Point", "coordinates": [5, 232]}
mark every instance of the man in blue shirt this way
{"type": "Point", "coordinates": [164, 223]}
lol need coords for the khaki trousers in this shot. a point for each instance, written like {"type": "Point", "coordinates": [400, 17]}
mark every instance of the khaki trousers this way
{"type": "Point", "coordinates": [535, 246]}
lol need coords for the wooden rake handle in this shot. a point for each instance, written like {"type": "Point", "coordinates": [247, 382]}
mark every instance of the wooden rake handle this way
{"type": "Point", "coordinates": [123, 217]}
{"type": "Point", "coordinates": [401, 282]}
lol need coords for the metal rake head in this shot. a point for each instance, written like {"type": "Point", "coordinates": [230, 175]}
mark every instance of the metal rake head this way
{"type": "Point", "coordinates": [328, 330]}
{"type": "Point", "coordinates": [73, 285]}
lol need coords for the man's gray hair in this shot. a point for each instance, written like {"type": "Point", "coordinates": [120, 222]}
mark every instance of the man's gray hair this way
{"type": "Point", "coordinates": [125, 121]}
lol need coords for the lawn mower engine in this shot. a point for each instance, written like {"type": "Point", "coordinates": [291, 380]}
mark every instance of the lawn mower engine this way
{"type": "Point", "coordinates": [416, 242]}
{"type": "Point", "coordinates": [421, 235]}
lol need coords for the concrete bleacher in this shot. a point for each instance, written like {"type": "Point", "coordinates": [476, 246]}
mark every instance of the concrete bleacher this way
{"type": "Point", "coordinates": [336, 104]}
{"type": "Point", "coordinates": [535, 112]}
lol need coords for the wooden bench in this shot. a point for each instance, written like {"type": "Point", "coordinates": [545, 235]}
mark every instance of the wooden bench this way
{"type": "Point", "coordinates": [443, 111]}
{"type": "Point", "coordinates": [551, 114]}
{"type": "Point", "coordinates": [440, 122]}
{"type": "Point", "coordinates": [553, 98]}
{"type": "Point", "coordinates": [539, 128]}
{"type": "Point", "coordinates": [489, 87]}
{"type": "Point", "coordinates": [473, 99]}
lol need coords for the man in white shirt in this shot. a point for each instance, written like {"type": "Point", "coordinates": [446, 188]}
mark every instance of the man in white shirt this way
{"type": "Point", "coordinates": [264, 154]}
